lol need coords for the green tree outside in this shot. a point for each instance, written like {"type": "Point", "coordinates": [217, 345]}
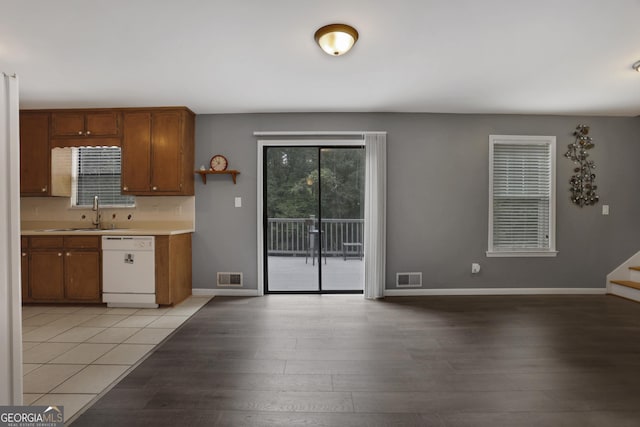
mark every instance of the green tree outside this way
{"type": "Point", "coordinates": [293, 184]}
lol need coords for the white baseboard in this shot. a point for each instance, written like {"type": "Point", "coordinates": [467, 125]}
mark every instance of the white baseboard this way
{"type": "Point", "coordinates": [430, 292]}
{"type": "Point", "coordinates": [496, 291]}
{"type": "Point", "coordinates": [225, 292]}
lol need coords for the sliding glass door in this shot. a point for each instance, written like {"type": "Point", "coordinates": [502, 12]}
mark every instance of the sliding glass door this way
{"type": "Point", "coordinates": [291, 208]}
{"type": "Point", "coordinates": [313, 222]}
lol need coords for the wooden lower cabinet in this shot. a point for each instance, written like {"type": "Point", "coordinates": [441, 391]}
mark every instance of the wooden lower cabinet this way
{"type": "Point", "coordinates": [62, 269]}
{"type": "Point", "coordinates": [82, 276]}
{"type": "Point", "coordinates": [24, 258]}
{"type": "Point", "coordinates": [69, 269]}
{"type": "Point", "coordinates": [173, 268]}
{"type": "Point", "coordinates": [46, 275]}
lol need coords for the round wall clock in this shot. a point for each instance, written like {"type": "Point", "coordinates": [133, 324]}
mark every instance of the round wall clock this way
{"type": "Point", "coordinates": [218, 163]}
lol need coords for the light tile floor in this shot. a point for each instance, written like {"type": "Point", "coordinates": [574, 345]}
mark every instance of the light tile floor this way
{"type": "Point", "coordinates": [71, 354]}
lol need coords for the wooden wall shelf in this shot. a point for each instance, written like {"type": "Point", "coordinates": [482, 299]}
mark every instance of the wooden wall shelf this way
{"type": "Point", "coordinates": [203, 174]}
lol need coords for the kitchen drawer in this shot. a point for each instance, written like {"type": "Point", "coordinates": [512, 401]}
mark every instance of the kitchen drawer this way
{"type": "Point", "coordinates": [47, 242]}
{"type": "Point", "coordinates": [82, 242]}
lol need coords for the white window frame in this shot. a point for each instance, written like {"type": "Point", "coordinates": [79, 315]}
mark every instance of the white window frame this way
{"type": "Point", "coordinates": [524, 140]}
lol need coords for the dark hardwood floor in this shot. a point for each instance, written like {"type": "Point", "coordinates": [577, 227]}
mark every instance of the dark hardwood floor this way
{"type": "Point", "coordinates": [340, 360]}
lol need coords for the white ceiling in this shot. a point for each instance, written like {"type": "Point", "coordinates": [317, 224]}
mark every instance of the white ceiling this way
{"type": "Point", "coordinates": [237, 56]}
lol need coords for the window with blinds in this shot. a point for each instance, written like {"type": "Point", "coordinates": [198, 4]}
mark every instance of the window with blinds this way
{"type": "Point", "coordinates": [96, 172]}
{"type": "Point", "coordinates": [521, 195]}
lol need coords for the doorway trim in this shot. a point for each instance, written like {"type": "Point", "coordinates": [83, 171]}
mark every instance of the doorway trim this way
{"type": "Point", "coordinates": [11, 381]}
{"type": "Point", "coordinates": [374, 283]}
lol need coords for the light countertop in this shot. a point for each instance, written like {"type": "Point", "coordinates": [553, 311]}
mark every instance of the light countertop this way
{"type": "Point", "coordinates": [46, 228]}
{"type": "Point", "coordinates": [112, 232]}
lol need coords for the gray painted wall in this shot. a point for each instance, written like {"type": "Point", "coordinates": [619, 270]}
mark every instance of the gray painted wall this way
{"type": "Point", "coordinates": [437, 197]}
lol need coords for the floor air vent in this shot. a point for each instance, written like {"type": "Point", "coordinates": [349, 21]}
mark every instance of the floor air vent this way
{"type": "Point", "coordinates": [409, 280]}
{"type": "Point", "coordinates": [229, 279]}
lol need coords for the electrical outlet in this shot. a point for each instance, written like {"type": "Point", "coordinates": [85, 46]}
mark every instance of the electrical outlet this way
{"type": "Point", "coordinates": [475, 268]}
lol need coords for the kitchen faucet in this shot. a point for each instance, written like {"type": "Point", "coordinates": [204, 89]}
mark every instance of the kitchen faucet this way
{"type": "Point", "coordinates": [96, 209]}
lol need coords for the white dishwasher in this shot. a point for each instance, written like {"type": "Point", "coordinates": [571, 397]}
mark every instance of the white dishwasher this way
{"type": "Point", "coordinates": [129, 271]}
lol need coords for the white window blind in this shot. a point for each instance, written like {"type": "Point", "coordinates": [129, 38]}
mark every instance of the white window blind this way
{"type": "Point", "coordinates": [96, 172]}
{"type": "Point", "coordinates": [522, 198]}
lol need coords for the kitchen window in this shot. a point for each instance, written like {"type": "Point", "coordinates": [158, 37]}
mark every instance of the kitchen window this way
{"type": "Point", "coordinates": [521, 196]}
{"type": "Point", "coordinates": [96, 172]}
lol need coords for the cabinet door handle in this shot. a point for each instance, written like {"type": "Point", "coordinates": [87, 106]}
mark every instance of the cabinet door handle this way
{"type": "Point", "coordinates": [125, 188]}
{"type": "Point", "coordinates": [24, 254]}
{"type": "Point", "coordinates": [44, 189]}
{"type": "Point", "coordinates": [154, 188]}
{"type": "Point", "coordinates": [68, 254]}
{"type": "Point", "coordinates": [79, 132]}
{"type": "Point", "coordinates": [88, 132]}
{"type": "Point", "coordinates": [59, 253]}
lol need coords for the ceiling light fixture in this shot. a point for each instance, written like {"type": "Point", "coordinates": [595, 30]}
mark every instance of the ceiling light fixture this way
{"type": "Point", "coordinates": [336, 39]}
{"type": "Point", "coordinates": [636, 66]}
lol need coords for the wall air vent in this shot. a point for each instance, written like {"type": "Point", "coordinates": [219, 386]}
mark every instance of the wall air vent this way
{"type": "Point", "coordinates": [229, 279]}
{"type": "Point", "coordinates": [409, 280]}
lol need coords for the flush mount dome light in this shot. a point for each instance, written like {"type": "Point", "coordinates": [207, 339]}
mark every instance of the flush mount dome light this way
{"type": "Point", "coordinates": [336, 39]}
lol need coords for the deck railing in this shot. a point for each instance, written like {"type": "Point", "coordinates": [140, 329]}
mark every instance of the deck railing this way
{"type": "Point", "coordinates": [293, 236]}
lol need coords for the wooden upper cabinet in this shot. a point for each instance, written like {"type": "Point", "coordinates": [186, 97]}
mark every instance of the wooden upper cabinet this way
{"type": "Point", "coordinates": [86, 127]}
{"type": "Point", "coordinates": [103, 124]}
{"type": "Point", "coordinates": [136, 152]}
{"type": "Point", "coordinates": [166, 152]}
{"type": "Point", "coordinates": [157, 146]}
{"type": "Point", "coordinates": [158, 152]}
{"type": "Point", "coordinates": [35, 156]}
{"type": "Point", "coordinates": [67, 124]}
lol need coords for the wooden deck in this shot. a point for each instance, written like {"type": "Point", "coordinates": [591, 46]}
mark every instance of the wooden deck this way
{"type": "Point", "coordinates": [288, 273]}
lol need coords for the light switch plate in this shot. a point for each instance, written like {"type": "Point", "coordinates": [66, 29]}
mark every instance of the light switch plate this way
{"type": "Point", "coordinates": [605, 209]}
{"type": "Point", "coordinates": [238, 202]}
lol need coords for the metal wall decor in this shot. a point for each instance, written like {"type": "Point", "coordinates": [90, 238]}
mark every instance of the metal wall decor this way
{"type": "Point", "coordinates": [583, 188]}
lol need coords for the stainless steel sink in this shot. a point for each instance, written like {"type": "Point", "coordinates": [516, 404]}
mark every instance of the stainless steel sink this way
{"type": "Point", "coordinates": [71, 229]}
{"type": "Point", "coordinates": [86, 229]}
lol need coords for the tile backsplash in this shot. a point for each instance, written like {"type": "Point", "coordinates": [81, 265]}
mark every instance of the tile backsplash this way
{"type": "Point", "coordinates": [148, 212]}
